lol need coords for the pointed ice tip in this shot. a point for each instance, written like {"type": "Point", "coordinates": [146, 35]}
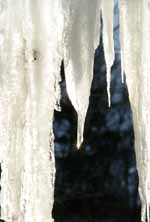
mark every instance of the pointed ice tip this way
{"type": "Point", "coordinates": [80, 130]}
{"type": "Point", "coordinates": [109, 97]}
{"type": "Point", "coordinates": [79, 140]}
{"type": "Point", "coordinates": [78, 146]}
{"type": "Point", "coordinates": [109, 101]}
{"type": "Point", "coordinates": [108, 76]}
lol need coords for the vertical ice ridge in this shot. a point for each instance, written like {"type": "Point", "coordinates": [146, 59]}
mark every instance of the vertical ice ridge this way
{"type": "Point", "coordinates": [44, 66]}
{"type": "Point", "coordinates": [13, 96]}
{"type": "Point", "coordinates": [28, 102]}
{"type": "Point", "coordinates": [135, 46]}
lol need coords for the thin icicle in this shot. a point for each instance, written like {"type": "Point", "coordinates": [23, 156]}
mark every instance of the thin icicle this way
{"type": "Point", "coordinates": [108, 74]}
{"type": "Point", "coordinates": [123, 30]}
{"type": "Point", "coordinates": [108, 41]}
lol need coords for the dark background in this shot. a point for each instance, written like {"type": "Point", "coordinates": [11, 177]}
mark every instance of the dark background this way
{"type": "Point", "coordinates": [99, 182]}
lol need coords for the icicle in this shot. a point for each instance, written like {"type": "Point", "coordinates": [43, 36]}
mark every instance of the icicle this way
{"type": "Point", "coordinates": [135, 48]}
{"type": "Point", "coordinates": [108, 42]}
{"type": "Point", "coordinates": [3, 100]}
{"type": "Point", "coordinates": [36, 38]}
{"type": "Point", "coordinates": [122, 15]}
{"type": "Point", "coordinates": [32, 58]}
{"type": "Point", "coordinates": [13, 96]}
{"type": "Point", "coordinates": [81, 37]}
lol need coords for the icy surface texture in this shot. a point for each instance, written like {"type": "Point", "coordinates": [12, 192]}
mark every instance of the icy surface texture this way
{"type": "Point", "coordinates": [135, 49]}
{"type": "Point", "coordinates": [34, 38]}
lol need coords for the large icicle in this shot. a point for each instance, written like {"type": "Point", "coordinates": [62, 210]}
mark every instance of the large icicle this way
{"type": "Point", "coordinates": [42, 65]}
{"type": "Point", "coordinates": [108, 41]}
{"type": "Point", "coordinates": [34, 39]}
{"type": "Point", "coordinates": [29, 66]}
{"type": "Point", "coordinates": [135, 52]}
{"type": "Point", "coordinates": [13, 94]}
{"type": "Point", "coordinates": [81, 37]}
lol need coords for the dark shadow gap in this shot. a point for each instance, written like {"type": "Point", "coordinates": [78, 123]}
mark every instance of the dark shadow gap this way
{"type": "Point", "coordinates": [99, 182]}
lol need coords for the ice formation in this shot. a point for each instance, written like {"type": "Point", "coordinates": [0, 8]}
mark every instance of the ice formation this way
{"type": "Point", "coordinates": [27, 84]}
{"type": "Point", "coordinates": [135, 53]}
{"type": "Point", "coordinates": [34, 39]}
{"type": "Point", "coordinates": [107, 8]}
{"type": "Point", "coordinates": [81, 18]}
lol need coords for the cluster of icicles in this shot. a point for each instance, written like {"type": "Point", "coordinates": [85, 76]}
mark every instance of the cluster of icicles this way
{"type": "Point", "coordinates": [35, 36]}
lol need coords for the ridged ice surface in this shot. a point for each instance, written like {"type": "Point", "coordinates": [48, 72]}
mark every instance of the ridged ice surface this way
{"type": "Point", "coordinates": [29, 66]}
{"type": "Point", "coordinates": [35, 36]}
{"type": "Point", "coordinates": [135, 53]}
